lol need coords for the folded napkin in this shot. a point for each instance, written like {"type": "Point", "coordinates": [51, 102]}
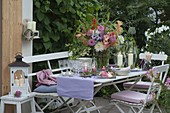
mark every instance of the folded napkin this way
{"type": "Point", "coordinates": [75, 87]}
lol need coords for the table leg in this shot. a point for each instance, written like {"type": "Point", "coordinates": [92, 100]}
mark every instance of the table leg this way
{"type": "Point", "coordinates": [33, 105]}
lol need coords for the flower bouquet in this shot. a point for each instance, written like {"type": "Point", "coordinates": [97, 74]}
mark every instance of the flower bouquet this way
{"type": "Point", "coordinates": [100, 37]}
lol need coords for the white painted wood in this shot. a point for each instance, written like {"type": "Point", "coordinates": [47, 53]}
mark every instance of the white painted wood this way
{"type": "Point", "coordinates": [8, 99]}
{"type": "Point", "coordinates": [46, 57]}
{"type": "Point", "coordinates": [27, 46]}
{"type": "Point", "coordinates": [27, 13]}
{"type": "Point", "coordinates": [161, 57]}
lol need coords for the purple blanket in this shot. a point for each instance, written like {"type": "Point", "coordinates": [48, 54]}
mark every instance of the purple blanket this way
{"type": "Point", "coordinates": [75, 87]}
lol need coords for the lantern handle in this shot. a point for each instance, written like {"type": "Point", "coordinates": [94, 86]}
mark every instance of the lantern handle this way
{"type": "Point", "coordinates": [18, 53]}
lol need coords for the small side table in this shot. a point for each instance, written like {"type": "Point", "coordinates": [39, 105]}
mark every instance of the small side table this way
{"type": "Point", "coordinates": [8, 99]}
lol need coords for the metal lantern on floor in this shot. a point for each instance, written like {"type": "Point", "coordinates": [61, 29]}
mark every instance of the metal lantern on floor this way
{"type": "Point", "coordinates": [19, 77]}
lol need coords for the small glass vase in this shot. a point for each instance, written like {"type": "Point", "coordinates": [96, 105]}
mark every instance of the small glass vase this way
{"type": "Point", "coordinates": [102, 59]}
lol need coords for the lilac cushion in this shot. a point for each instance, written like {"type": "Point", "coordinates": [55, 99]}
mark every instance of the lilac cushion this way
{"type": "Point", "coordinates": [139, 85]}
{"type": "Point", "coordinates": [130, 96]}
{"type": "Point", "coordinates": [46, 89]}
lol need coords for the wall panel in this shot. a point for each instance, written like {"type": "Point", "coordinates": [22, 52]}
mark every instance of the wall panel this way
{"type": "Point", "coordinates": [11, 39]}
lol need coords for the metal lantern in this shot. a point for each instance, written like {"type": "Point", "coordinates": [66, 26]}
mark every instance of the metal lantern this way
{"type": "Point", "coordinates": [19, 77]}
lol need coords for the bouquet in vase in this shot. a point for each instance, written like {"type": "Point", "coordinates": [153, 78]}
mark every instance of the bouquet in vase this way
{"type": "Point", "coordinates": [99, 37]}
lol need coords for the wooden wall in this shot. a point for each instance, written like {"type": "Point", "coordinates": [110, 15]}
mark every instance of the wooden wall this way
{"type": "Point", "coordinates": [11, 39]}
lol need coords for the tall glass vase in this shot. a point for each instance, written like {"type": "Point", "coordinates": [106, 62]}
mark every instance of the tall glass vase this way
{"type": "Point", "coordinates": [102, 58]}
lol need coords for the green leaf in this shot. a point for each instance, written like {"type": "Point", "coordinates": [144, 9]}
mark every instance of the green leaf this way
{"type": "Point", "coordinates": [48, 28]}
{"type": "Point", "coordinates": [47, 45]}
{"type": "Point", "coordinates": [58, 1]}
{"type": "Point", "coordinates": [38, 46]}
{"type": "Point", "coordinates": [55, 38]}
{"type": "Point", "coordinates": [45, 38]}
{"type": "Point", "coordinates": [37, 4]}
{"type": "Point", "coordinates": [72, 10]}
{"type": "Point", "coordinates": [59, 26]}
{"type": "Point", "coordinates": [62, 9]}
{"type": "Point", "coordinates": [40, 16]}
{"type": "Point", "coordinates": [71, 3]}
{"type": "Point", "coordinates": [46, 21]}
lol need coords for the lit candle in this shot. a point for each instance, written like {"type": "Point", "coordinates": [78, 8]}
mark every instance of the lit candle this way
{"type": "Point", "coordinates": [16, 81]}
{"type": "Point", "coordinates": [119, 59]}
{"type": "Point", "coordinates": [21, 81]}
{"type": "Point", "coordinates": [29, 25]}
{"type": "Point", "coordinates": [130, 59]}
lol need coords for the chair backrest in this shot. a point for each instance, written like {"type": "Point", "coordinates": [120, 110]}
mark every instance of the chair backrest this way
{"type": "Point", "coordinates": [161, 69]}
{"type": "Point", "coordinates": [159, 57]}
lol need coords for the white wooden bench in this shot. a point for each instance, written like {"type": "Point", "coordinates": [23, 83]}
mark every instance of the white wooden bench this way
{"type": "Point", "coordinates": [48, 58]}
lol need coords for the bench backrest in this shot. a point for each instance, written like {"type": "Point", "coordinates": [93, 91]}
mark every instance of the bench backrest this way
{"type": "Point", "coordinates": [48, 58]}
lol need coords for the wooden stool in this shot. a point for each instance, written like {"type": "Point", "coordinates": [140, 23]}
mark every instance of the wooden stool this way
{"type": "Point", "coordinates": [8, 99]}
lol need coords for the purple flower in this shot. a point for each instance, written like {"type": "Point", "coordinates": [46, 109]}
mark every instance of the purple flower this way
{"type": "Point", "coordinates": [100, 28]}
{"type": "Point", "coordinates": [112, 39]}
{"type": "Point", "coordinates": [91, 42]}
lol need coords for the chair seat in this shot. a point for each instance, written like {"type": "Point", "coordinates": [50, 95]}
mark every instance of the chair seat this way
{"type": "Point", "coordinates": [139, 85]}
{"type": "Point", "coordinates": [131, 96]}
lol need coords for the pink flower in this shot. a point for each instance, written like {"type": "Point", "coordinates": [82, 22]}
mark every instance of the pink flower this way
{"type": "Point", "coordinates": [91, 42]}
{"type": "Point", "coordinates": [78, 35]}
{"type": "Point", "coordinates": [103, 74]}
{"type": "Point", "coordinates": [152, 73]}
{"type": "Point", "coordinates": [100, 28]}
{"type": "Point", "coordinates": [89, 32]}
{"type": "Point", "coordinates": [167, 83]}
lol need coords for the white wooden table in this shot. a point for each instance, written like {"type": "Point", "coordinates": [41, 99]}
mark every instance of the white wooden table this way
{"type": "Point", "coordinates": [106, 82]}
{"type": "Point", "coordinates": [18, 101]}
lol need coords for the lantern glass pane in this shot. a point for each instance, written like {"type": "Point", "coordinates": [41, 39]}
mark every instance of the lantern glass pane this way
{"type": "Point", "coordinates": [19, 78]}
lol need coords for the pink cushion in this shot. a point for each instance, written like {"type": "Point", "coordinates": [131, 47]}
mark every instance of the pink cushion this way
{"type": "Point", "coordinates": [140, 84]}
{"type": "Point", "coordinates": [130, 96]}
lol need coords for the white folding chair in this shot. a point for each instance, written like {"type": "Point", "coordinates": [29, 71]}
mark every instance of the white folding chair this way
{"type": "Point", "coordinates": [144, 85]}
{"type": "Point", "coordinates": [137, 101]}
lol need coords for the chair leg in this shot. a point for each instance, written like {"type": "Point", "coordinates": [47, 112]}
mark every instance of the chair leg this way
{"type": "Point", "coordinates": [157, 105]}
{"type": "Point", "coordinates": [120, 109]}
{"type": "Point", "coordinates": [152, 108]}
{"type": "Point", "coordinates": [134, 111]}
{"type": "Point", "coordinates": [141, 109]}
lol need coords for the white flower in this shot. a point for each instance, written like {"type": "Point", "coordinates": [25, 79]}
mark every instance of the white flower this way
{"type": "Point", "coordinates": [146, 33]}
{"type": "Point", "coordinates": [148, 37]}
{"type": "Point", "coordinates": [99, 47]}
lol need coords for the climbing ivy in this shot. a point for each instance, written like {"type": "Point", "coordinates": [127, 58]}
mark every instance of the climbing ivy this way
{"type": "Point", "coordinates": [57, 21]}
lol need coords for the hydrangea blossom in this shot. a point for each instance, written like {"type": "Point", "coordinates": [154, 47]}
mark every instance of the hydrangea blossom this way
{"type": "Point", "coordinates": [160, 30]}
